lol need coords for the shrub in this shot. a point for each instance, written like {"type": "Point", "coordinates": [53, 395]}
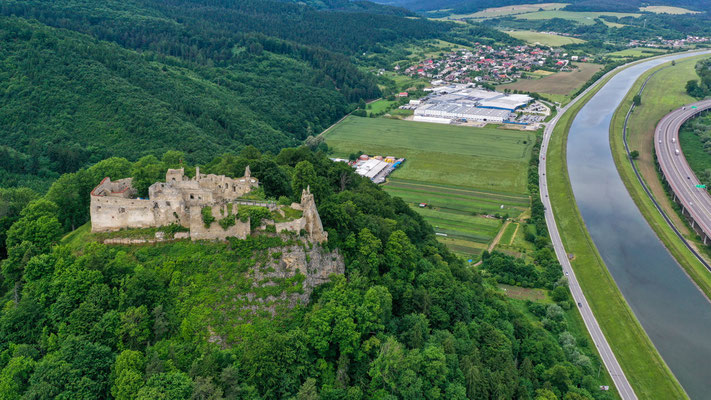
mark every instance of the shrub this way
{"type": "Point", "coordinates": [207, 217]}
{"type": "Point", "coordinates": [172, 229]}
{"type": "Point", "coordinates": [228, 221]}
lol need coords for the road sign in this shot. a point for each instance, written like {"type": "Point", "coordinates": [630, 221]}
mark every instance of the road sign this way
{"type": "Point", "coordinates": [701, 186]}
{"type": "Point", "coordinates": [693, 106]}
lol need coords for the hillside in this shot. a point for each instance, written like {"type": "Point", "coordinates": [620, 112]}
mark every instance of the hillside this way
{"type": "Point", "coordinates": [87, 81]}
{"type": "Point", "coordinates": [400, 316]}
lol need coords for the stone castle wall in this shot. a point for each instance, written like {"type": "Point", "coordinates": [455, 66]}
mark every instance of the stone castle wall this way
{"type": "Point", "coordinates": [180, 200]}
{"type": "Point", "coordinates": [198, 231]}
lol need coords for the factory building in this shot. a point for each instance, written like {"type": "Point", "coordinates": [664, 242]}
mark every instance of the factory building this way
{"type": "Point", "coordinates": [461, 102]}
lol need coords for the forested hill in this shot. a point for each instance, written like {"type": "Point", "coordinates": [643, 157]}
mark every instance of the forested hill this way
{"type": "Point", "coordinates": [407, 319]}
{"type": "Point", "coordinates": [350, 5]}
{"type": "Point", "coordinates": [87, 80]}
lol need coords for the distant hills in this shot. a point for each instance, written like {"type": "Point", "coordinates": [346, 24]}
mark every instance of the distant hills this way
{"type": "Point", "coordinates": [465, 6]}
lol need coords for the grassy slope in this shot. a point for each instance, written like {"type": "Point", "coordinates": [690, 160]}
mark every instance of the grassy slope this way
{"type": "Point", "coordinates": [664, 91]}
{"type": "Point", "coordinates": [649, 375]}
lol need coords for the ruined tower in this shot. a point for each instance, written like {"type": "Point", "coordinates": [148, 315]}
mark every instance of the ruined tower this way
{"type": "Point", "coordinates": [312, 221]}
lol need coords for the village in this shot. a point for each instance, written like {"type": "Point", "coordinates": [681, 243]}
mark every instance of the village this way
{"type": "Point", "coordinates": [486, 63]}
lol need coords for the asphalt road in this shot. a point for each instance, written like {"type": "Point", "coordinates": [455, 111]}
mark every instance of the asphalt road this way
{"type": "Point", "coordinates": [608, 357]}
{"type": "Point", "coordinates": [696, 201]}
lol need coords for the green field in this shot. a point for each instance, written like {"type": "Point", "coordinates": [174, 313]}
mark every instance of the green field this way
{"type": "Point", "coordinates": [547, 39]}
{"type": "Point", "coordinates": [379, 106]}
{"type": "Point", "coordinates": [664, 91]}
{"type": "Point", "coordinates": [491, 159]}
{"type": "Point", "coordinates": [667, 10]}
{"type": "Point", "coordinates": [495, 12]}
{"type": "Point", "coordinates": [586, 18]}
{"type": "Point", "coordinates": [649, 375]}
{"type": "Point", "coordinates": [636, 52]}
{"type": "Point", "coordinates": [462, 173]}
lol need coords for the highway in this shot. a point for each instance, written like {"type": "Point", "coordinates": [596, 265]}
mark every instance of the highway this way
{"type": "Point", "coordinates": [603, 347]}
{"type": "Point", "coordinates": [695, 201]}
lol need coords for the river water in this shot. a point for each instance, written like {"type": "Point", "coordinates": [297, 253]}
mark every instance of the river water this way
{"type": "Point", "coordinates": [672, 310]}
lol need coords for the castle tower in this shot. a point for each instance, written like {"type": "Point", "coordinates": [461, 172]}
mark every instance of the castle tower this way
{"type": "Point", "coordinates": [247, 172]}
{"type": "Point", "coordinates": [197, 173]}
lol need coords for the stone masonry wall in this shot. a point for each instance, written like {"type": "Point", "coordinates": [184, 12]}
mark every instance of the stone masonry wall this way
{"type": "Point", "coordinates": [198, 231]}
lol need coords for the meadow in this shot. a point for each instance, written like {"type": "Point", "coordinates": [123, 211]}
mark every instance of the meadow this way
{"type": "Point", "coordinates": [561, 83]}
{"type": "Point", "coordinates": [547, 39]}
{"type": "Point", "coordinates": [636, 52]}
{"type": "Point", "coordinates": [495, 12]}
{"type": "Point", "coordinates": [464, 174]}
{"type": "Point", "coordinates": [667, 10]}
{"type": "Point", "coordinates": [586, 18]}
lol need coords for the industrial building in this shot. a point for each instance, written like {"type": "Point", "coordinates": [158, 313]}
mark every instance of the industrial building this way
{"type": "Point", "coordinates": [376, 168]}
{"type": "Point", "coordinates": [463, 102]}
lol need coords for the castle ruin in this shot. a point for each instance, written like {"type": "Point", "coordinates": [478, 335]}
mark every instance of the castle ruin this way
{"type": "Point", "coordinates": [185, 201]}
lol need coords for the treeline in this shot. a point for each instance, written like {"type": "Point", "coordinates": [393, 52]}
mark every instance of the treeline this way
{"type": "Point", "coordinates": [700, 88]}
{"type": "Point", "coordinates": [408, 320]}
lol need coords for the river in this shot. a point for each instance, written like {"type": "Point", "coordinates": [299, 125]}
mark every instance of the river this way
{"type": "Point", "coordinates": [672, 310]}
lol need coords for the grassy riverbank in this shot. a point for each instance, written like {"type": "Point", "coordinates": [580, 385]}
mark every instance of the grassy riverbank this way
{"type": "Point", "coordinates": [664, 92]}
{"type": "Point", "coordinates": [649, 375]}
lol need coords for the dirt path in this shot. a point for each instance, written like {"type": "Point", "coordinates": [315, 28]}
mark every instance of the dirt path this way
{"type": "Point", "coordinates": [518, 225]}
{"type": "Point", "coordinates": [498, 236]}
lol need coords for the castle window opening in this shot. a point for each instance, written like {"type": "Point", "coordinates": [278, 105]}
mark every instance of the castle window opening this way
{"type": "Point", "coordinates": [167, 203]}
{"type": "Point", "coordinates": [192, 196]}
{"type": "Point", "coordinates": [122, 210]}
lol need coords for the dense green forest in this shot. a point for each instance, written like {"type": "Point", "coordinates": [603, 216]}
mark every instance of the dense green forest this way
{"type": "Point", "coordinates": [82, 80]}
{"type": "Point", "coordinates": [82, 320]}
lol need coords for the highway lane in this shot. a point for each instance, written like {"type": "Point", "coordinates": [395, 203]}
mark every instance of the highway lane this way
{"type": "Point", "coordinates": [682, 180]}
{"type": "Point", "coordinates": [603, 347]}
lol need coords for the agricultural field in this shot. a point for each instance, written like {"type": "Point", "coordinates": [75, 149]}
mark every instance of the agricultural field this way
{"type": "Point", "coordinates": [586, 18]}
{"type": "Point", "coordinates": [561, 83]}
{"type": "Point", "coordinates": [636, 52]}
{"type": "Point", "coordinates": [519, 293]}
{"type": "Point", "coordinates": [667, 10]}
{"type": "Point", "coordinates": [379, 106]}
{"type": "Point", "coordinates": [496, 12]}
{"type": "Point", "coordinates": [546, 39]}
{"type": "Point", "coordinates": [464, 174]}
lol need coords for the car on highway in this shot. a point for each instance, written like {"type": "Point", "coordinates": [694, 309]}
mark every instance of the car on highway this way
{"type": "Point", "coordinates": [580, 304]}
